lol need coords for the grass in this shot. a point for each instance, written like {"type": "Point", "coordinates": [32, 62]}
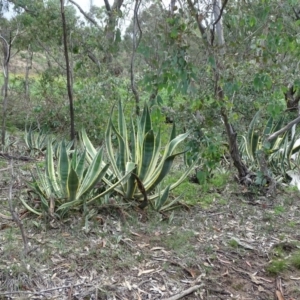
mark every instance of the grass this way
{"type": "Point", "coordinates": [284, 258]}
{"type": "Point", "coordinates": [219, 179]}
{"type": "Point", "coordinates": [180, 241]}
{"type": "Point", "coordinates": [295, 260]}
{"type": "Point", "coordinates": [193, 193]}
{"type": "Point", "coordinates": [292, 224]}
{"type": "Point", "coordinates": [233, 243]}
{"type": "Point", "coordinates": [278, 210]}
{"type": "Point", "coordinates": [277, 266]}
{"type": "Point", "coordinates": [188, 192]}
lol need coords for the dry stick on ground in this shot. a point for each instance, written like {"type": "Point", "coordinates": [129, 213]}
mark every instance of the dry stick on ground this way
{"type": "Point", "coordinates": [44, 291]}
{"type": "Point", "coordinates": [185, 292]}
{"type": "Point", "coordinates": [12, 211]}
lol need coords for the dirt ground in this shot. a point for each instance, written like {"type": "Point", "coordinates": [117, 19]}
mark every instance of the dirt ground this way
{"type": "Point", "coordinates": [221, 251]}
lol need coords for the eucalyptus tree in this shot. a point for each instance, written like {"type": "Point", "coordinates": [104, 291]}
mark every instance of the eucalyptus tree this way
{"type": "Point", "coordinates": [249, 47]}
{"type": "Point", "coordinates": [8, 35]}
{"type": "Point", "coordinates": [112, 32]}
{"type": "Point", "coordinates": [162, 55]}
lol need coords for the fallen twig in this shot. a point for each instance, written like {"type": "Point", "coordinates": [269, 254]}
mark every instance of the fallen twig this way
{"type": "Point", "coordinates": [186, 292]}
{"type": "Point", "coordinates": [175, 263]}
{"type": "Point", "coordinates": [42, 291]}
{"type": "Point", "coordinates": [6, 217]}
{"type": "Point", "coordinates": [279, 291]}
{"type": "Point", "coordinates": [9, 157]}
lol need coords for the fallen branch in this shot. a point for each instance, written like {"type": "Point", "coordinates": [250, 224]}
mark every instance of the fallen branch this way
{"type": "Point", "coordinates": [42, 291]}
{"type": "Point", "coordinates": [5, 217]}
{"type": "Point", "coordinates": [8, 157]}
{"type": "Point", "coordinates": [185, 293]}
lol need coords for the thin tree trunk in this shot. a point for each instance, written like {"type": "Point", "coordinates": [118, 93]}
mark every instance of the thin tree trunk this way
{"type": "Point", "coordinates": [6, 57]}
{"type": "Point", "coordinates": [232, 136]}
{"type": "Point", "coordinates": [69, 73]}
{"type": "Point", "coordinates": [218, 54]}
{"type": "Point", "coordinates": [136, 40]}
{"type": "Point", "coordinates": [172, 7]}
{"type": "Point", "coordinates": [113, 12]}
{"type": "Point", "coordinates": [27, 70]}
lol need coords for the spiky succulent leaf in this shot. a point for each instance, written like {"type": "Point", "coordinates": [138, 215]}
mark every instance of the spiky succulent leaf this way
{"type": "Point", "coordinates": [142, 154]}
{"type": "Point", "coordinates": [51, 173]}
{"type": "Point", "coordinates": [72, 185]}
{"type": "Point", "coordinates": [148, 150]}
{"type": "Point", "coordinates": [63, 165]}
{"type": "Point", "coordinates": [268, 127]}
{"type": "Point", "coordinates": [161, 199]}
{"type": "Point", "coordinates": [251, 136]}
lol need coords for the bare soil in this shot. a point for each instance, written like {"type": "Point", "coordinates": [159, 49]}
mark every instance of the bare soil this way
{"type": "Point", "coordinates": [19, 63]}
{"type": "Point", "coordinates": [218, 252]}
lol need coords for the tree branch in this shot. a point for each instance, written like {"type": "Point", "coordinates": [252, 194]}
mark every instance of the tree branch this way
{"type": "Point", "coordinates": [85, 14]}
{"type": "Point", "coordinates": [117, 5]}
{"type": "Point", "coordinates": [49, 54]}
{"type": "Point", "coordinates": [284, 129]}
{"type": "Point", "coordinates": [107, 5]}
{"type": "Point", "coordinates": [221, 13]}
{"type": "Point", "coordinates": [199, 18]}
{"type": "Point", "coordinates": [297, 14]}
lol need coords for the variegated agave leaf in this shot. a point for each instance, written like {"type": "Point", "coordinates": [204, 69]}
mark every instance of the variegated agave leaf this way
{"type": "Point", "coordinates": [69, 183]}
{"type": "Point", "coordinates": [141, 150]}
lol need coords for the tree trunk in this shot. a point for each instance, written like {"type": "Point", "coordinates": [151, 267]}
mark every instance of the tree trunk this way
{"type": "Point", "coordinates": [172, 7]}
{"type": "Point", "coordinates": [6, 56]}
{"type": "Point", "coordinates": [137, 35]}
{"type": "Point", "coordinates": [234, 151]}
{"type": "Point", "coordinates": [69, 73]}
{"type": "Point", "coordinates": [232, 136]}
{"type": "Point", "coordinates": [292, 98]}
{"type": "Point", "coordinates": [218, 54]}
{"type": "Point", "coordinates": [113, 13]}
{"type": "Point", "coordinates": [27, 70]}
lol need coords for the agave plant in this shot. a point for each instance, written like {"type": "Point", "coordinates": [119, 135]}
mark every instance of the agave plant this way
{"type": "Point", "coordinates": [35, 140]}
{"type": "Point", "coordinates": [9, 142]}
{"type": "Point", "coordinates": [254, 141]}
{"type": "Point", "coordinates": [140, 150]}
{"type": "Point", "coordinates": [279, 151]}
{"type": "Point", "coordinates": [70, 184]}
